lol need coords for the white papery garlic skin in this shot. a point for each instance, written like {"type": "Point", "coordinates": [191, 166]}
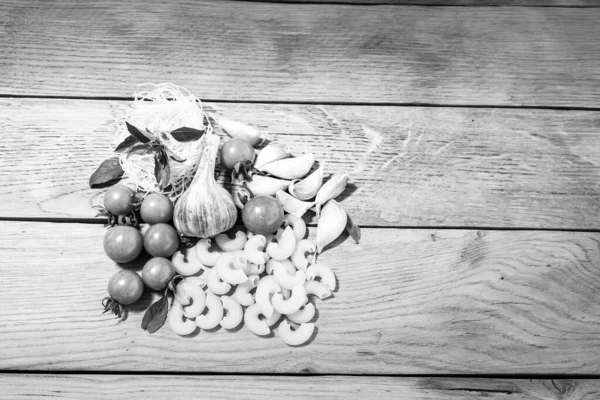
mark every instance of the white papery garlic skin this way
{"type": "Point", "coordinates": [331, 224]}
{"type": "Point", "coordinates": [272, 152]}
{"type": "Point", "coordinates": [265, 185]}
{"type": "Point", "coordinates": [290, 168]}
{"type": "Point", "coordinates": [331, 189]}
{"type": "Point", "coordinates": [292, 205]}
{"type": "Point", "coordinates": [205, 209]}
{"type": "Point", "coordinates": [307, 188]}
{"type": "Point", "coordinates": [239, 130]}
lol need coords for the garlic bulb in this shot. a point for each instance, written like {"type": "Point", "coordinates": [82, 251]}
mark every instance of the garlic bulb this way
{"type": "Point", "coordinates": [205, 208]}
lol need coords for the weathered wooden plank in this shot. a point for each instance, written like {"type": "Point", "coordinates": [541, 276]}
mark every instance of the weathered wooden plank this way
{"type": "Point", "coordinates": [78, 386]}
{"type": "Point", "coordinates": [303, 52]}
{"type": "Point", "coordinates": [409, 302]}
{"type": "Point", "coordinates": [409, 166]}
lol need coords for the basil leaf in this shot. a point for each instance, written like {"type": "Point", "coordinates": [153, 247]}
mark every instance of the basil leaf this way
{"type": "Point", "coordinates": [135, 132]}
{"type": "Point", "coordinates": [107, 173]}
{"type": "Point", "coordinates": [162, 171]}
{"type": "Point", "coordinates": [353, 229]}
{"type": "Point", "coordinates": [126, 144]}
{"type": "Point", "coordinates": [140, 149]}
{"type": "Point", "coordinates": [174, 282]}
{"type": "Point", "coordinates": [187, 134]}
{"type": "Point", "coordinates": [156, 314]}
{"type": "Point", "coordinates": [173, 156]}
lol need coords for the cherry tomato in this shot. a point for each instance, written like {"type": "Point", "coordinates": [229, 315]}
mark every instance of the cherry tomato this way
{"type": "Point", "coordinates": [161, 240]}
{"type": "Point", "coordinates": [156, 208]}
{"type": "Point", "coordinates": [234, 151]}
{"type": "Point", "coordinates": [123, 243]}
{"type": "Point", "coordinates": [125, 287]}
{"type": "Point", "coordinates": [157, 273]}
{"type": "Point", "coordinates": [118, 199]}
{"type": "Point", "coordinates": [262, 214]}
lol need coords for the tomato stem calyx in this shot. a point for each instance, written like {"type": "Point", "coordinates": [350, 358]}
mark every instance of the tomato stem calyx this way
{"type": "Point", "coordinates": [130, 219]}
{"type": "Point", "coordinates": [111, 305]}
{"type": "Point", "coordinates": [243, 170]}
{"type": "Point", "coordinates": [187, 241]}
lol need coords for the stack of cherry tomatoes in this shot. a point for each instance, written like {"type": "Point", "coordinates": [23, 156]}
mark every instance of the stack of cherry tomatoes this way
{"type": "Point", "coordinates": [126, 243]}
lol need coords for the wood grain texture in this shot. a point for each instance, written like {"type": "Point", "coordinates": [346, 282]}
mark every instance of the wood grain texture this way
{"type": "Point", "coordinates": [225, 50]}
{"type": "Point", "coordinates": [408, 166]}
{"type": "Point", "coordinates": [408, 302]}
{"type": "Point", "coordinates": [76, 386]}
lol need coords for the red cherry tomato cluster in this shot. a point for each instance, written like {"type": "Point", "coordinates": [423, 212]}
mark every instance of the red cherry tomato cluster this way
{"type": "Point", "coordinates": [125, 244]}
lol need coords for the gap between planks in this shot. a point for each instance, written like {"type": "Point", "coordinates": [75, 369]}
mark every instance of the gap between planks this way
{"type": "Point", "coordinates": [98, 221]}
{"type": "Point", "coordinates": [439, 3]}
{"type": "Point", "coordinates": [518, 376]}
{"type": "Point", "coordinates": [313, 103]}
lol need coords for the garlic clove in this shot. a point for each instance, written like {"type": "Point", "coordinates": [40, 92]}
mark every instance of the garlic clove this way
{"type": "Point", "coordinates": [239, 130]}
{"type": "Point", "coordinates": [308, 187]}
{"type": "Point", "coordinates": [272, 152]}
{"type": "Point", "coordinates": [331, 224]}
{"type": "Point", "coordinates": [266, 185]}
{"type": "Point", "coordinates": [292, 205]}
{"type": "Point", "coordinates": [331, 189]}
{"type": "Point", "coordinates": [291, 168]}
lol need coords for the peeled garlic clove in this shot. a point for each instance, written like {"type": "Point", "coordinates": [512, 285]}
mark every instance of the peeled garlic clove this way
{"type": "Point", "coordinates": [292, 205]}
{"type": "Point", "coordinates": [331, 224]}
{"type": "Point", "coordinates": [239, 130]}
{"type": "Point", "coordinates": [265, 185]}
{"type": "Point", "coordinates": [291, 168]}
{"type": "Point", "coordinates": [331, 189]}
{"type": "Point", "coordinates": [272, 152]}
{"type": "Point", "coordinates": [308, 187]}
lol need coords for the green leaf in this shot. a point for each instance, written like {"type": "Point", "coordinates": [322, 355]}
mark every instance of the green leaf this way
{"type": "Point", "coordinates": [135, 132]}
{"type": "Point", "coordinates": [126, 144]}
{"type": "Point", "coordinates": [140, 149]}
{"type": "Point", "coordinates": [162, 171]}
{"type": "Point", "coordinates": [156, 314]}
{"type": "Point", "coordinates": [353, 229]}
{"type": "Point", "coordinates": [186, 134]}
{"type": "Point", "coordinates": [173, 156]}
{"type": "Point", "coordinates": [108, 173]}
{"type": "Point", "coordinates": [174, 282]}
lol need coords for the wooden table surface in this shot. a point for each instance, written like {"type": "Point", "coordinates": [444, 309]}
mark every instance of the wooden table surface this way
{"type": "Point", "coordinates": [470, 130]}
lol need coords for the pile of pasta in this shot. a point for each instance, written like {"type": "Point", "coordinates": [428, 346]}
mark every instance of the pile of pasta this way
{"type": "Point", "coordinates": [251, 279]}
